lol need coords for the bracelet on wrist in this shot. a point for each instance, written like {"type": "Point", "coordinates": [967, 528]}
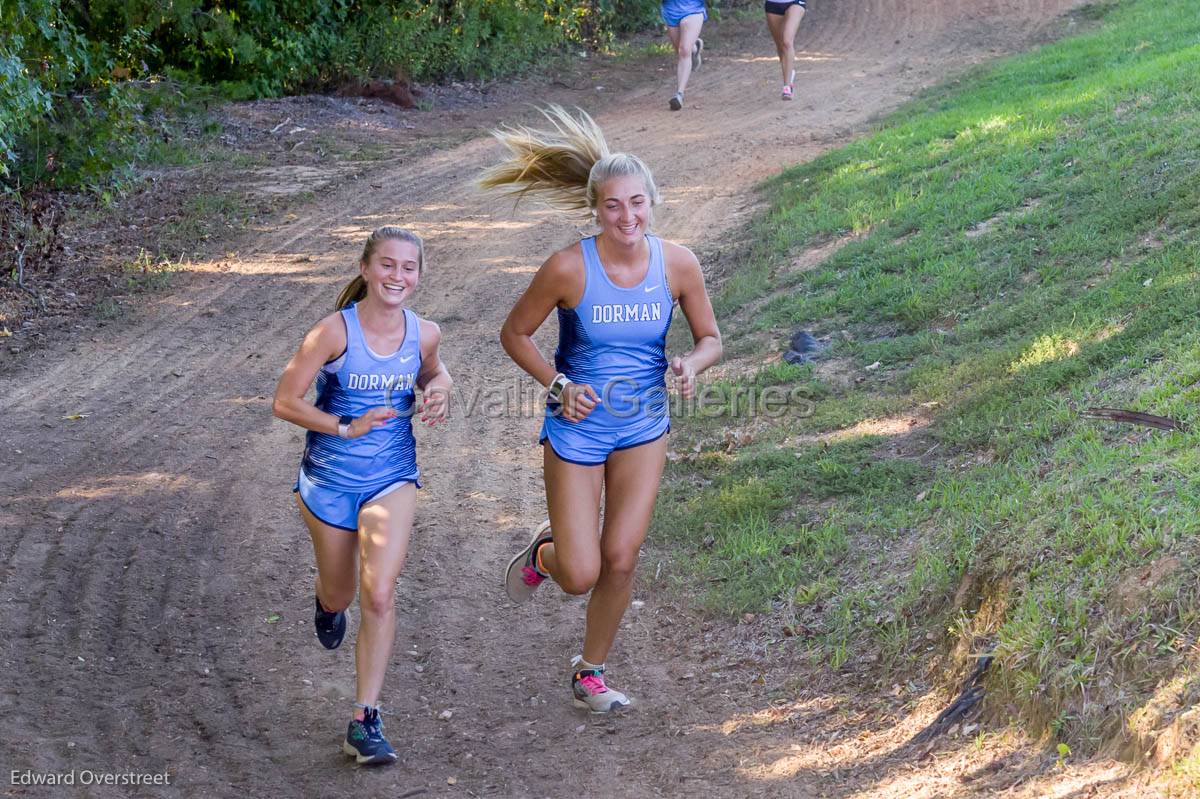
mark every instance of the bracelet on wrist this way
{"type": "Point", "coordinates": [557, 385]}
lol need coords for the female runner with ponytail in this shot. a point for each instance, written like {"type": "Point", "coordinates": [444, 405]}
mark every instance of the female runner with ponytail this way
{"type": "Point", "coordinates": [358, 478]}
{"type": "Point", "coordinates": [606, 419]}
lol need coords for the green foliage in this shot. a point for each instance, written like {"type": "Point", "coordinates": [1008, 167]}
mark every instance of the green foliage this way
{"type": "Point", "coordinates": [290, 45]}
{"type": "Point", "coordinates": [69, 116]}
{"type": "Point", "coordinates": [596, 22]}
{"type": "Point", "coordinates": [268, 48]}
{"type": "Point", "coordinates": [41, 57]}
{"type": "Point", "coordinates": [76, 79]}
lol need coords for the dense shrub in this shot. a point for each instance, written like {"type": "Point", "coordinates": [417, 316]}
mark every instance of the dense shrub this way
{"type": "Point", "coordinates": [41, 58]}
{"type": "Point", "coordinates": [288, 45]}
{"type": "Point", "coordinates": [73, 73]}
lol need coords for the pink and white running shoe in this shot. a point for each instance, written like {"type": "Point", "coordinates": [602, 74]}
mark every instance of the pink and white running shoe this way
{"type": "Point", "coordinates": [587, 684]}
{"type": "Point", "coordinates": [522, 577]}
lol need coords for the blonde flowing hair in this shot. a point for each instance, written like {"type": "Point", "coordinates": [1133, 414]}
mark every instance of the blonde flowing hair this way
{"type": "Point", "coordinates": [356, 289]}
{"type": "Point", "coordinates": [563, 165]}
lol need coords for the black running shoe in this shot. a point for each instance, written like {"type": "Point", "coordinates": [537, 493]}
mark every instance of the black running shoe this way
{"type": "Point", "coordinates": [331, 627]}
{"type": "Point", "coordinates": [676, 102]}
{"type": "Point", "coordinates": [365, 742]}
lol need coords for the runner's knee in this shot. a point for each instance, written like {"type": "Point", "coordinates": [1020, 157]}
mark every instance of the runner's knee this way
{"type": "Point", "coordinates": [378, 599]}
{"type": "Point", "coordinates": [575, 580]}
{"type": "Point", "coordinates": [619, 566]}
{"type": "Point", "coordinates": [336, 592]}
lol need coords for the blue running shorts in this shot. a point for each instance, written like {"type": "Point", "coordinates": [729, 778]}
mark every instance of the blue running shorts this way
{"type": "Point", "coordinates": [339, 508]}
{"type": "Point", "coordinates": [673, 11]}
{"type": "Point", "coordinates": [585, 445]}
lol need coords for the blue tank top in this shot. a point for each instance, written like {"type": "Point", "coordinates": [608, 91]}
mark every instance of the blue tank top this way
{"type": "Point", "coordinates": [615, 340]}
{"type": "Point", "coordinates": [358, 380]}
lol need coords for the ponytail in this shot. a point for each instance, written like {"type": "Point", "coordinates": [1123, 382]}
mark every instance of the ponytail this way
{"type": "Point", "coordinates": [354, 291]}
{"type": "Point", "coordinates": [563, 166]}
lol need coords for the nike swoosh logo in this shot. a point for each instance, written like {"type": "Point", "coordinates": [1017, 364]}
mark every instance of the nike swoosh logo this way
{"type": "Point", "coordinates": [652, 288]}
{"type": "Point", "coordinates": [406, 360]}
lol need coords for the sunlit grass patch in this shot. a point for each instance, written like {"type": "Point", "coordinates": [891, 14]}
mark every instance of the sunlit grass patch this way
{"type": "Point", "coordinates": [1012, 249]}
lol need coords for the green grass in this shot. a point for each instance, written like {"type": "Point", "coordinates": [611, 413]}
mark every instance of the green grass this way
{"type": "Point", "coordinates": [209, 214]}
{"type": "Point", "coordinates": [107, 309]}
{"type": "Point", "coordinates": [1027, 245]}
{"type": "Point", "coordinates": [145, 274]}
{"type": "Point", "coordinates": [149, 274]}
{"type": "Point", "coordinates": [641, 50]}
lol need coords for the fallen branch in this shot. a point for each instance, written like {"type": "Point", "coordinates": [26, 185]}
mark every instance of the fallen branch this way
{"type": "Point", "coordinates": [1134, 417]}
{"type": "Point", "coordinates": [972, 693]}
{"type": "Point", "coordinates": [21, 278]}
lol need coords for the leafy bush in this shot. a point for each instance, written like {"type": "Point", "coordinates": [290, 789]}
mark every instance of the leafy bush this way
{"type": "Point", "coordinates": [291, 45]}
{"type": "Point", "coordinates": [41, 56]}
{"type": "Point", "coordinates": [75, 76]}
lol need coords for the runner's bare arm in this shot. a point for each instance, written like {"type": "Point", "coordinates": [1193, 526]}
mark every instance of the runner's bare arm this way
{"type": "Point", "coordinates": [687, 281]}
{"type": "Point", "coordinates": [434, 379]}
{"type": "Point", "coordinates": [560, 281]}
{"type": "Point", "coordinates": [324, 343]}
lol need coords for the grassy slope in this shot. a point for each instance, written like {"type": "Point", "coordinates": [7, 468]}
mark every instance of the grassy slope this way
{"type": "Point", "coordinates": [1027, 244]}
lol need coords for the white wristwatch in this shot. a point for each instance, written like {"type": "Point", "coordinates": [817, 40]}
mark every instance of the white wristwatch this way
{"type": "Point", "coordinates": [344, 426]}
{"type": "Point", "coordinates": [557, 385]}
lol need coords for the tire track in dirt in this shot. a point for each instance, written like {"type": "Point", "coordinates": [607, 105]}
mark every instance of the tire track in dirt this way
{"type": "Point", "coordinates": [179, 539]}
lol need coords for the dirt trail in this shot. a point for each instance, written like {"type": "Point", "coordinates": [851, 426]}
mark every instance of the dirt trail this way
{"type": "Point", "coordinates": [144, 547]}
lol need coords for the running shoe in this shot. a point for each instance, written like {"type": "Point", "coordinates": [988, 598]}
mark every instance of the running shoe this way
{"type": "Point", "coordinates": [787, 93]}
{"type": "Point", "coordinates": [365, 742]}
{"type": "Point", "coordinates": [676, 102]}
{"type": "Point", "coordinates": [697, 54]}
{"type": "Point", "coordinates": [331, 627]}
{"type": "Point", "coordinates": [591, 693]}
{"type": "Point", "coordinates": [522, 577]}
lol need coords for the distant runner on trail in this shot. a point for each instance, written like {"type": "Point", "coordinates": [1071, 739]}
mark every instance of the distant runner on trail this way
{"type": "Point", "coordinates": [684, 19]}
{"type": "Point", "coordinates": [358, 479]}
{"type": "Point", "coordinates": [783, 20]}
{"type": "Point", "coordinates": [607, 417]}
